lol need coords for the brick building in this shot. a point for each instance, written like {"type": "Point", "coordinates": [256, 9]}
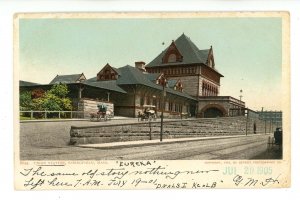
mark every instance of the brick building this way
{"type": "Point", "coordinates": [195, 69]}
{"type": "Point", "coordinates": [128, 88]}
{"type": "Point", "coordinates": [192, 87]}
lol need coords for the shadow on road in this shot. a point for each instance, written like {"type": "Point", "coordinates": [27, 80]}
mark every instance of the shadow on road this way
{"type": "Point", "coordinates": [274, 152]}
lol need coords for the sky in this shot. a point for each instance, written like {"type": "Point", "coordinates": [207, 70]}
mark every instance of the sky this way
{"type": "Point", "coordinates": [247, 51]}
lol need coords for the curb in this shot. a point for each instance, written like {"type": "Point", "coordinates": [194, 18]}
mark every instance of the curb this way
{"type": "Point", "coordinates": [149, 143]}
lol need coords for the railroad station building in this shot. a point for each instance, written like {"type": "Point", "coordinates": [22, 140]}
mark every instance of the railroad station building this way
{"type": "Point", "coordinates": [128, 88]}
{"type": "Point", "coordinates": [192, 87]}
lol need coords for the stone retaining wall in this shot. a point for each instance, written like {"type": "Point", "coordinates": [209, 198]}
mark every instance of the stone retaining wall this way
{"type": "Point", "coordinates": [172, 129]}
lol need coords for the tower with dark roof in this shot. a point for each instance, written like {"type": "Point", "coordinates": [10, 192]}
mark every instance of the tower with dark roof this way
{"type": "Point", "coordinates": [183, 60]}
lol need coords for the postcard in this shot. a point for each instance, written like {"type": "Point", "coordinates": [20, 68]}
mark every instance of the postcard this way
{"type": "Point", "coordinates": [153, 100]}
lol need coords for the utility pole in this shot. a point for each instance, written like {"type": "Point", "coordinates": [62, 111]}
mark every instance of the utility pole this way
{"type": "Point", "coordinates": [247, 118]}
{"type": "Point", "coordinates": [164, 83]}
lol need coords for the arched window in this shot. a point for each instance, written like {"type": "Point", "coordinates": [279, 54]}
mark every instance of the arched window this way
{"type": "Point", "coordinates": [172, 58]}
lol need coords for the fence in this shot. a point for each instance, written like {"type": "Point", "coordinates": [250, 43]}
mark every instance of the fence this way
{"type": "Point", "coordinates": [46, 114]}
{"type": "Point", "coordinates": [255, 123]}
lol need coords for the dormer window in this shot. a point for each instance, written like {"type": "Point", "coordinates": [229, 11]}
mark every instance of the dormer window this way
{"type": "Point", "coordinates": [179, 86]}
{"type": "Point", "coordinates": [172, 58]}
{"type": "Point", "coordinates": [172, 54]}
{"type": "Point", "coordinates": [107, 73]}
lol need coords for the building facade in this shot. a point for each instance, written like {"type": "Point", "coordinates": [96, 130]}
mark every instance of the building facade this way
{"type": "Point", "coordinates": [129, 88]}
{"type": "Point", "coordinates": [192, 84]}
{"type": "Point", "coordinates": [183, 60]}
{"type": "Point", "coordinates": [195, 68]}
{"type": "Point", "coordinates": [143, 89]}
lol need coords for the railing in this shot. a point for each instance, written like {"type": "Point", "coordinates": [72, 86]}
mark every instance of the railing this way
{"type": "Point", "coordinates": [47, 114]}
{"type": "Point", "coordinates": [222, 98]}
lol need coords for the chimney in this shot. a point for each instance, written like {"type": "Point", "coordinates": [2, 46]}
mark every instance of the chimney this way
{"type": "Point", "coordinates": [140, 65]}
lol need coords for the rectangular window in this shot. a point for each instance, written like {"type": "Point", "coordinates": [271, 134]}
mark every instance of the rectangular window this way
{"type": "Point", "coordinates": [170, 106]}
{"type": "Point", "coordinates": [142, 101]}
{"type": "Point", "coordinates": [154, 102]}
{"type": "Point", "coordinates": [147, 100]}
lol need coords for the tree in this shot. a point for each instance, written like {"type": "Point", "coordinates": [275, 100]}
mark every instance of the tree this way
{"type": "Point", "coordinates": [37, 93]}
{"type": "Point", "coordinates": [52, 102]}
{"type": "Point", "coordinates": [59, 90]}
{"type": "Point", "coordinates": [25, 100]}
{"type": "Point", "coordinates": [54, 99]}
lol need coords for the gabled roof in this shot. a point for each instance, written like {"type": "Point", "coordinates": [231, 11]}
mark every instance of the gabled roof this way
{"type": "Point", "coordinates": [72, 78]}
{"type": "Point", "coordinates": [189, 51]}
{"type": "Point", "coordinates": [108, 66]}
{"type": "Point", "coordinates": [108, 85]}
{"type": "Point", "coordinates": [133, 76]}
{"type": "Point", "coordinates": [26, 83]}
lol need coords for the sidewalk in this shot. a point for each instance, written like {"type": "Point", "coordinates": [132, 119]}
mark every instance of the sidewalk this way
{"type": "Point", "coordinates": [155, 142]}
{"type": "Point", "coordinates": [63, 120]}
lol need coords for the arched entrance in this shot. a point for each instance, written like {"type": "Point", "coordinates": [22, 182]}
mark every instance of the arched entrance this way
{"type": "Point", "coordinates": [213, 110]}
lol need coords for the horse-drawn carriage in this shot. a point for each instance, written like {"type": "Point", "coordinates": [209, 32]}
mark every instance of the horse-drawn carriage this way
{"type": "Point", "coordinates": [149, 113]}
{"type": "Point", "coordinates": [104, 113]}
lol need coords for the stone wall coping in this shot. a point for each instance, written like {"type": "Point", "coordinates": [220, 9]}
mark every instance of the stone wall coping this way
{"type": "Point", "coordinates": [147, 122]}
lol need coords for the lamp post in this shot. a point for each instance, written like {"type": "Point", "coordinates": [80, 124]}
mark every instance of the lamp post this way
{"type": "Point", "coordinates": [241, 92]}
{"type": "Point", "coordinates": [164, 83]}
